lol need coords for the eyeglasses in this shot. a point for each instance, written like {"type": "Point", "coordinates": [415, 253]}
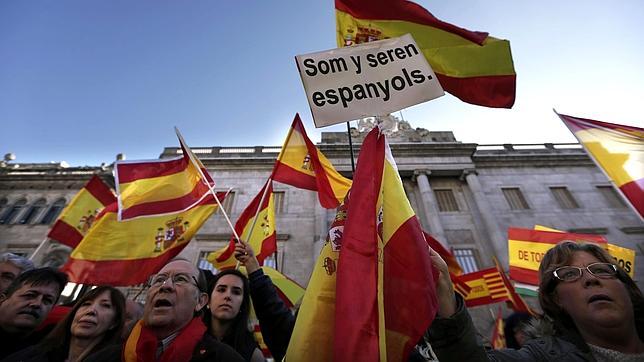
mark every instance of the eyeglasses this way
{"type": "Point", "coordinates": [572, 273]}
{"type": "Point", "coordinates": [177, 279]}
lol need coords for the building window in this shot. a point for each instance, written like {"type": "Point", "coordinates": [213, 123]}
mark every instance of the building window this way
{"type": "Point", "coordinates": [203, 262]}
{"type": "Point", "coordinates": [466, 258]}
{"type": "Point", "coordinates": [33, 211]}
{"type": "Point", "coordinates": [515, 198]}
{"type": "Point", "coordinates": [10, 214]}
{"type": "Point", "coordinates": [271, 261]}
{"type": "Point", "coordinates": [278, 200]}
{"type": "Point", "coordinates": [613, 199]}
{"type": "Point", "coordinates": [53, 212]}
{"type": "Point", "coordinates": [446, 200]}
{"type": "Point", "coordinates": [564, 198]}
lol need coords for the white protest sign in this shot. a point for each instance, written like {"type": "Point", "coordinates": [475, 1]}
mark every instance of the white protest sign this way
{"type": "Point", "coordinates": [369, 79]}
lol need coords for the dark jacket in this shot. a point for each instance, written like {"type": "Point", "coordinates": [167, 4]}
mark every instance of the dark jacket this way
{"type": "Point", "coordinates": [12, 343]}
{"type": "Point", "coordinates": [35, 353]}
{"type": "Point", "coordinates": [207, 349]}
{"type": "Point", "coordinates": [454, 339]}
{"type": "Point", "coordinates": [275, 319]}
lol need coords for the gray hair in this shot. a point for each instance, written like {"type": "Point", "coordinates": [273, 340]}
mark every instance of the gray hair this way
{"type": "Point", "coordinates": [19, 261]}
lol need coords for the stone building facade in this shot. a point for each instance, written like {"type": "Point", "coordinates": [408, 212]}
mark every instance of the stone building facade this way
{"type": "Point", "coordinates": [465, 194]}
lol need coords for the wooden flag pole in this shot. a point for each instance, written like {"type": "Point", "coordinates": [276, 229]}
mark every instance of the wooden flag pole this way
{"type": "Point", "coordinates": [204, 180]}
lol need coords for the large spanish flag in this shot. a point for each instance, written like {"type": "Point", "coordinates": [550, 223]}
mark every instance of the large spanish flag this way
{"type": "Point", "coordinates": [312, 338]}
{"type": "Point", "coordinates": [302, 165]}
{"type": "Point", "coordinates": [259, 234]}
{"type": "Point", "coordinates": [386, 295]}
{"type": "Point", "coordinates": [127, 252]}
{"type": "Point", "coordinates": [470, 65]}
{"type": "Point", "coordinates": [77, 217]}
{"type": "Point", "coordinates": [161, 187]}
{"type": "Point", "coordinates": [618, 150]}
{"type": "Point", "coordinates": [526, 247]}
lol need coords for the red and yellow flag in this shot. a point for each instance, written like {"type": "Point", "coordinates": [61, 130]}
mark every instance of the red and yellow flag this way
{"type": "Point", "coordinates": [302, 165]}
{"type": "Point", "coordinates": [312, 338]}
{"type": "Point", "coordinates": [128, 252]}
{"type": "Point", "coordinates": [77, 218]}
{"type": "Point", "coordinates": [618, 150]}
{"type": "Point", "coordinates": [514, 299]}
{"type": "Point", "coordinates": [262, 238]}
{"type": "Point", "coordinates": [160, 187]}
{"type": "Point", "coordinates": [386, 295]}
{"type": "Point", "coordinates": [470, 65]}
{"type": "Point", "coordinates": [459, 285]}
{"type": "Point", "coordinates": [526, 247]}
{"type": "Point", "coordinates": [487, 287]}
{"type": "Point", "coordinates": [452, 264]}
{"type": "Point", "coordinates": [498, 334]}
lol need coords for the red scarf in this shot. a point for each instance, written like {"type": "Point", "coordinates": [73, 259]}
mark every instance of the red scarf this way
{"type": "Point", "coordinates": [141, 345]}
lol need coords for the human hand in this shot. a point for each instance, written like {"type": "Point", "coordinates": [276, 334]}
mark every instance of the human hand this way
{"type": "Point", "coordinates": [444, 287]}
{"type": "Point", "coordinates": [245, 254]}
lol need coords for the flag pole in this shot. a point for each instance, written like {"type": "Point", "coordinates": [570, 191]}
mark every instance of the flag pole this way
{"type": "Point", "coordinates": [353, 165]}
{"type": "Point", "coordinates": [204, 180]}
{"type": "Point", "coordinates": [42, 245]}
{"type": "Point", "coordinates": [259, 207]}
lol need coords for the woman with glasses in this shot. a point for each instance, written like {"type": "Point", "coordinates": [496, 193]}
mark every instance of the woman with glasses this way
{"type": "Point", "coordinates": [227, 313]}
{"type": "Point", "coordinates": [94, 323]}
{"type": "Point", "coordinates": [592, 311]}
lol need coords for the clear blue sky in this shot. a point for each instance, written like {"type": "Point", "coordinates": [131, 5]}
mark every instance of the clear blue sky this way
{"type": "Point", "coordinates": [81, 81]}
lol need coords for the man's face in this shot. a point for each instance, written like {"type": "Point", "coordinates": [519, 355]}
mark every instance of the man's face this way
{"type": "Point", "coordinates": [27, 307]}
{"type": "Point", "coordinates": [170, 305]}
{"type": "Point", "coordinates": [8, 272]}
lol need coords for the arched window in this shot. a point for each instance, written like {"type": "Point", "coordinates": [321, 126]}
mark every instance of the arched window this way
{"type": "Point", "coordinates": [13, 211]}
{"type": "Point", "coordinates": [53, 212]}
{"type": "Point", "coordinates": [33, 211]}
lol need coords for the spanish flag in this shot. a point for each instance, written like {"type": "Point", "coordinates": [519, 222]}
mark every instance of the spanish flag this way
{"type": "Point", "coordinates": [161, 187]}
{"type": "Point", "coordinates": [385, 289]}
{"type": "Point", "coordinates": [312, 338]}
{"type": "Point", "coordinates": [498, 334]}
{"type": "Point", "coordinates": [77, 218]}
{"type": "Point", "coordinates": [618, 150]}
{"type": "Point", "coordinates": [302, 165]}
{"type": "Point", "coordinates": [470, 65]}
{"type": "Point", "coordinates": [127, 252]}
{"type": "Point", "coordinates": [526, 247]}
{"type": "Point", "coordinates": [261, 236]}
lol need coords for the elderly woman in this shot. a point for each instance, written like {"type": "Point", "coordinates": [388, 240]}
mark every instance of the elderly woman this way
{"type": "Point", "coordinates": [95, 322]}
{"type": "Point", "coordinates": [592, 312]}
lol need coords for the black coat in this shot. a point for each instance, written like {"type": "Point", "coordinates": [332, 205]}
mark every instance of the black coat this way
{"type": "Point", "coordinates": [275, 319]}
{"type": "Point", "coordinates": [454, 339]}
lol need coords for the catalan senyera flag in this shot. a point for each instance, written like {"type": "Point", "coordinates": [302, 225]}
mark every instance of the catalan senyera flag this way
{"type": "Point", "coordinates": [302, 165]}
{"type": "Point", "coordinates": [262, 238]}
{"type": "Point", "coordinates": [127, 252]}
{"type": "Point", "coordinates": [452, 264]}
{"type": "Point", "coordinates": [526, 247]}
{"type": "Point", "coordinates": [385, 292]}
{"type": "Point", "coordinates": [77, 217]}
{"type": "Point", "coordinates": [487, 286]}
{"type": "Point", "coordinates": [470, 65]}
{"type": "Point", "coordinates": [618, 150]}
{"type": "Point", "coordinates": [459, 285]}
{"type": "Point", "coordinates": [312, 338]}
{"type": "Point", "coordinates": [160, 187]}
{"type": "Point", "coordinates": [516, 302]}
{"type": "Point", "coordinates": [498, 334]}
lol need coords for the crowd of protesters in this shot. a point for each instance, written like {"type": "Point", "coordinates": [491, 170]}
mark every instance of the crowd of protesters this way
{"type": "Point", "coordinates": [592, 311]}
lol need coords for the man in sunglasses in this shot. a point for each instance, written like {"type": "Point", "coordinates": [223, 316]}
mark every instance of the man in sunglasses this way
{"type": "Point", "coordinates": [171, 328]}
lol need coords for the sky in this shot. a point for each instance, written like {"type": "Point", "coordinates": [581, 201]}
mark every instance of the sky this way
{"type": "Point", "coordinates": [81, 81]}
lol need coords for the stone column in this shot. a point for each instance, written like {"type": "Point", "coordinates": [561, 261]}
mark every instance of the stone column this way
{"type": "Point", "coordinates": [430, 204]}
{"type": "Point", "coordinates": [495, 236]}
